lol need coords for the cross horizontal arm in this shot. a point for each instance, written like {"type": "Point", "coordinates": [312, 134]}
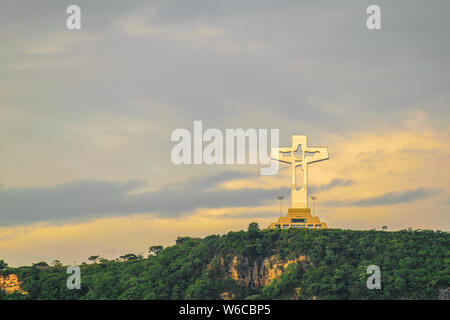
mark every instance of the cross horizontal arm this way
{"type": "Point", "coordinates": [278, 154]}
{"type": "Point", "coordinates": [319, 154]}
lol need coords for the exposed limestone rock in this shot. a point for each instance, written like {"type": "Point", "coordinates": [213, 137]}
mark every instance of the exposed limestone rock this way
{"type": "Point", "coordinates": [11, 284]}
{"type": "Point", "coordinates": [259, 273]}
{"type": "Point", "coordinates": [227, 295]}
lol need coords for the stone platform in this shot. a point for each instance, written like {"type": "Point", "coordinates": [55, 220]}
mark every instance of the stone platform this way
{"type": "Point", "coordinates": [298, 218]}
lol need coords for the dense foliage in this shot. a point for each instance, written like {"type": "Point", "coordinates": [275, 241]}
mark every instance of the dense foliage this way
{"type": "Point", "coordinates": [414, 265]}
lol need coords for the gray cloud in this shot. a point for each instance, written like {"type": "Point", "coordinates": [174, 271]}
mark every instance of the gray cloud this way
{"type": "Point", "coordinates": [314, 55]}
{"type": "Point", "coordinates": [81, 200]}
{"type": "Point", "coordinates": [215, 179]}
{"type": "Point", "coordinates": [91, 199]}
{"type": "Point", "coordinates": [318, 70]}
{"type": "Point", "coordinates": [332, 184]}
{"type": "Point", "coordinates": [388, 198]}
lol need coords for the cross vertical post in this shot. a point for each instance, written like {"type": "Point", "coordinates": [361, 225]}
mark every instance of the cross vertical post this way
{"type": "Point", "coordinates": [307, 155]}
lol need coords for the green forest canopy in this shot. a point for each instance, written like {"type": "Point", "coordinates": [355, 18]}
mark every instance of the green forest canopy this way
{"type": "Point", "coordinates": [414, 265]}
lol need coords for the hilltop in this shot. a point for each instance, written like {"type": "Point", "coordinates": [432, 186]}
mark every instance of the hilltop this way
{"type": "Point", "coordinates": [255, 264]}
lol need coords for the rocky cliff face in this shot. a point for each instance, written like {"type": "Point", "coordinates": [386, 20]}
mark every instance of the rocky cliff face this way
{"type": "Point", "coordinates": [10, 284]}
{"type": "Point", "coordinates": [258, 273]}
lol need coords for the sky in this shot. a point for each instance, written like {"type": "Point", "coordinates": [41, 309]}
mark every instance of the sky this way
{"type": "Point", "coordinates": [86, 118]}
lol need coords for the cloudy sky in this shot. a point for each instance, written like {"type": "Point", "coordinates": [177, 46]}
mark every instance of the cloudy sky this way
{"type": "Point", "coordinates": [86, 117]}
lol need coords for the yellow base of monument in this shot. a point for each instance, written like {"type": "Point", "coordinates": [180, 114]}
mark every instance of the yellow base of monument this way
{"type": "Point", "coordinates": [298, 218]}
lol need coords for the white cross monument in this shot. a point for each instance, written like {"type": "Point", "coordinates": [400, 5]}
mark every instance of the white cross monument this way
{"type": "Point", "coordinates": [299, 155]}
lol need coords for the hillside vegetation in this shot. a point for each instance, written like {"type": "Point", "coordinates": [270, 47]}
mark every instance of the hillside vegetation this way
{"type": "Point", "coordinates": [254, 264]}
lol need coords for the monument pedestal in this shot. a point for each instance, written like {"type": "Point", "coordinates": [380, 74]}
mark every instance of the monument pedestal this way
{"type": "Point", "coordinates": [298, 218]}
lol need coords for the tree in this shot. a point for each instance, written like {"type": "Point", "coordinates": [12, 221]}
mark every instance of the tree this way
{"type": "Point", "coordinates": [384, 227]}
{"type": "Point", "coordinates": [3, 265]}
{"type": "Point", "coordinates": [129, 256]}
{"type": "Point", "coordinates": [253, 226]}
{"type": "Point", "coordinates": [41, 264]}
{"type": "Point", "coordinates": [155, 250]}
{"type": "Point", "coordinates": [56, 263]}
{"type": "Point", "coordinates": [253, 230]}
{"type": "Point", "coordinates": [181, 240]}
{"type": "Point", "coordinates": [94, 258]}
